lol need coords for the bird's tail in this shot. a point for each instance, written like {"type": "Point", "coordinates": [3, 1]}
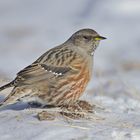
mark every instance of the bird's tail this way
{"type": "Point", "coordinates": [11, 84]}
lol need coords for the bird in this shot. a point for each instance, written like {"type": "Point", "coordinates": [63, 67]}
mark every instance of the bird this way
{"type": "Point", "coordinates": [60, 76]}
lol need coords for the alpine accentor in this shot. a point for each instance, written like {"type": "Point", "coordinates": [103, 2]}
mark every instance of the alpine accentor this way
{"type": "Point", "coordinates": [60, 76]}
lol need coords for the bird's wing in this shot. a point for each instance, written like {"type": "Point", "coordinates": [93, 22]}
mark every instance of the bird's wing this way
{"type": "Point", "coordinates": [49, 67]}
{"type": "Point", "coordinates": [40, 72]}
{"type": "Point", "coordinates": [59, 56]}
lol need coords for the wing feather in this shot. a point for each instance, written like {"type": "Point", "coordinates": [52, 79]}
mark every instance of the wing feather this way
{"type": "Point", "coordinates": [48, 67]}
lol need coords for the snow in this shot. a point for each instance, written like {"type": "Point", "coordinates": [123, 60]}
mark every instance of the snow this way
{"type": "Point", "coordinates": [28, 28]}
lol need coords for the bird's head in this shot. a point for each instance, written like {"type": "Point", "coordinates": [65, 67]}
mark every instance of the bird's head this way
{"type": "Point", "coordinates": [87, 39]}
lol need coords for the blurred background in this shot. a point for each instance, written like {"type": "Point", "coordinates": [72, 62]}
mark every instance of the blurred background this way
{"type": "Point", "coordinates": [28, 28]}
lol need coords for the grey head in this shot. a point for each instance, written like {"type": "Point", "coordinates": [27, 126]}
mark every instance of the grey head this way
{"type": "Point", "coordinates": [86, 39]}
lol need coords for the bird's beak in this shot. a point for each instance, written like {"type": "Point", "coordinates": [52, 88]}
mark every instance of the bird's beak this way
{"type": "Point", "coordinates": [100, 38]}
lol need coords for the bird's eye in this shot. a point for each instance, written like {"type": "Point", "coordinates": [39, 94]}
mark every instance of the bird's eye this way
{"type": "Point", "coordinates": [86, 37]}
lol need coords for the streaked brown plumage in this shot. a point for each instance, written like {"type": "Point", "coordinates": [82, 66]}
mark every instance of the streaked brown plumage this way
{"type": "Point", "coordinates": [60, 76]}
